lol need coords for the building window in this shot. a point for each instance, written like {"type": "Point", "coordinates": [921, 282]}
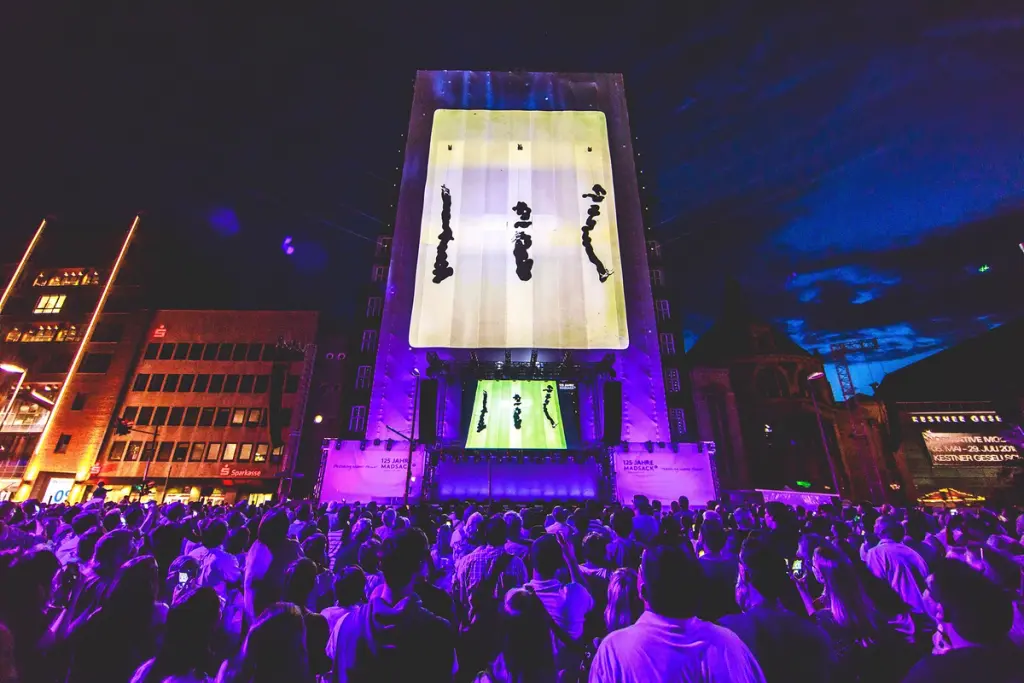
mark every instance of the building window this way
{"type": "Point", "coordinates": [152, 350]}
{"type": "Point", "coordinates": [374, 306]}
{"type": "Point", "coordinates": [79, 402]}
{"type": "Point", "coordinates": [160, 416]}
{"type": "Point", "coordinates": [163, 453]}
{"type": "Point", "coordinates": [380, 273]}
{"type": "Point", "coordinates": [166, 352]}
{"type": "Point", "coordinates": [213, 452]}
{"type": "Point", "coordinates": [171, 383]}
{"type": "Point", "coordinates": [654, 248]}
{"type": "Point", "coordinates": [657, 277]}
{"type": "Point", "coordinates": [245, 386]}
{"type": "Point", "coordinates": [185, 385]}
{"type": "Point", "coordinates": [231, 384]}
{"type": "Point", "coordinates": [147, 451]}
{"type": "Point", "coordinates": [229, 452]}
{"type": "Point", "coordinates": [661, 307]}
{"type": "Point", "coordinates": [210, 352]}
{"type": "Point", "coordinates": [239, 352]}
{"type": "Point", "coordinates": [261, 452]}
{"type": "Point", "coordinates": [197, 452]}
{"type": "Point", "coordinates": [174, 417]}
{"type": "Point", "coordinates": [108, 332]}
{"type": "Point", "coordinates": [364, 377]}
{"type": "Point", "coordinates": [771, 383]}
{"type": "Point", "coordinates": [181, 352]}
{"type": "Point", "coordinates": [291, 385]}
{"type": "Point", "coordinates": [238, 417]}
{"type": "Point", "coordinates": [262, 384]}
{"type": "Point", "coordinates": [255, 352]}
{"type": "Point", "coordinates": [62, 443]}
{"type": "Point", "coordinates": [244, 452]}
{"type": "Point", "coordinates": [181, 452]}
{"type": "Point", "coordinates": [254, 417]}
{"type": "Point", "coordinates": [156, 382]}
{"type": "Point", "coordinates": [383, 246]}
{"type": "Point", "coordinates": [206, 417]}
{"type": "Point", "coordinates": [96, 363]}
{"type": "Point", "coordinates": [195, 352]}
{"type": "Point", "coordinates": [50, 304]}
{"type": "Point", "coordinates": [369, 342]}
{"type": "Point", "coordinates": [134, 451]}
{"type": "Point", "coordinates": [191, 417]}
{"type": "Point", "coordinates": [677, 418]}
{"type": "Point", "coordinates": [667, 342]}
{"type": "Point", "coordinates": [672, 382]}
{"type": "Point", "coordinates": [140, 383]}
{"type": "Point", "coordinates": [116, 451]}
{"type": "Point", "coordinates": [275, 453]}
{"type": "Point", "coordinates": [130, 413]}
{"type": "Point", "coordinates": [202, 382]}
{"type": "Point", "coordinates": [357, 419]}
{"type": "Point", "coordinates": [222, 418]}
{"type": "Point", "coordinates": [145, 416]}
{"type": "Point", "coordinates": [224, 352]}
{"type": "Point", "coordinates": [38, 333]}
{"type": "Point", "coordinates": [216, 384]}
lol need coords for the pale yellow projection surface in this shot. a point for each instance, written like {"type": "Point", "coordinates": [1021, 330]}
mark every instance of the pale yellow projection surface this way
{"type": "Point", "coordinates": [490, 161]}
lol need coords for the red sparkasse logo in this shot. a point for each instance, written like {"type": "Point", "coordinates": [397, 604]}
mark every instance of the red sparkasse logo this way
{"type": "Point", "coordinates": [229, 472]}
{"type": "Point", "coordinates": [160, 332]}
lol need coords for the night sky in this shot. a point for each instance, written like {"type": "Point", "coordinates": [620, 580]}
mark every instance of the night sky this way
{"type": "Point", "coordinates": [855, 167]}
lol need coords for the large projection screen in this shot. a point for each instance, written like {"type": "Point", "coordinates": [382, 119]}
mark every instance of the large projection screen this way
{"type": "Point", "coordinates": [519, 244]}
{"type": "Point", "coordinates": [511, 414]}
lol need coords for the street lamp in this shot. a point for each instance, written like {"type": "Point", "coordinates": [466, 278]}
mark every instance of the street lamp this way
{"type": "Point", "coordinates": [14, 370]}
{"type": "Point", "coordinates": [821, 429]}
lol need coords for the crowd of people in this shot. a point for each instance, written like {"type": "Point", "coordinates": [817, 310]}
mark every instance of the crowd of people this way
{"type": "Point", "coordinates": [137, 592]}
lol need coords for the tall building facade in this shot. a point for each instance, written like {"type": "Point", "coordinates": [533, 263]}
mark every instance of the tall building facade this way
{"type": "Point", "coordinates": [70, 324]}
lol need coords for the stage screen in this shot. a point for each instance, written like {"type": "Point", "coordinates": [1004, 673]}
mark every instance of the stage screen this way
{"type": "Point", "coordinates": [512, 414]}
{"type": "Point", "coordinates": [959, 449]}
{"type": "Point", "coordinates": [519, 244]}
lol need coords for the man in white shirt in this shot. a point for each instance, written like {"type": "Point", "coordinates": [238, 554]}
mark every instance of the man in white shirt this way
{"type": "Point", "coordinates": [899, 565]}
{"type": "Point", "coordinates": [668, 643]}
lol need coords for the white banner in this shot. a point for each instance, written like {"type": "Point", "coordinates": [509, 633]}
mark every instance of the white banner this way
{"type": "Point", "coordinates": [352, 474]}
{"type": "Point", "coordinates": [665, 475]}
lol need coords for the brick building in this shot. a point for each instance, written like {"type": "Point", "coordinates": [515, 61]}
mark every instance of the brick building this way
{"type": "Point", "coordinates": [217, 401]}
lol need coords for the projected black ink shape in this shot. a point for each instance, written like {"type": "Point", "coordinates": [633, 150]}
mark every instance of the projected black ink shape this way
{"type": "Point", "coordinates": [517, 414]}
{"type": "Point", "coordinates": [524, 264]}
{"type": "Point", "coordinates": [547, 400]}
{"type": "Point", "coordinates": [481, 424]}
{"type": "Point", "coordinates": [597, 196]}
{"type": "Point", "coordinates": [443, 271]}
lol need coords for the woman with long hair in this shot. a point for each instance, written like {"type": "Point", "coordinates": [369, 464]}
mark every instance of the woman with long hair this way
{"type": "Point", "coordinates": [185, 655]}
{"type": "Point", "coordinates": [130, 616]}
{"type": "Point", "coordinates": [269, 557]}
{"type": "Point", "coordinates": [527, 650]}
{"type": "Point", "coordinates": [274, 650]}
{"type": "Point", "coordinates": [866, 645]}
{"type": "Point", "coordinates": [624, 602]}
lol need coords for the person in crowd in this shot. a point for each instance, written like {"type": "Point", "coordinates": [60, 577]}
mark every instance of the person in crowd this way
{"type": "Point", "coordinates": [517, 544]}
{"type": "Point", "coordinates": [478, 564]}
{"type": "Point", "coordinates": [112, 551]}
{"type": "Point", "coordinates": [468, 536]}
{"type": "Point", "coordinates": [349, 592]}
{"type": "Point", "coordinates": [669, 641]}
{"type": "Point", "coordinates": [388, 519]}
{"type": "Point", "coordinates": [898, 564]}
{"type": "Point", "coordinates": [595, 554]}
{"type": "Point", "coordinates": [974, 617]}
{"type": "Point", "coordinates": [67, 549]}
{"type": "Point", "coordinates": [24, 609]}
{"type": "Point", "coordinates": [185, 655]}
{"type": "Point", "coordinates": [623, 551]}
{"type": "Point", "coordinates": [526, 652]}
{"type": "Point", "coordinates": [218, 568]}
{"type": "Point", "coordinates": [315, 548]}
{"type": "Point", "coordinates": [624, 602]}
{"type": "Point", "coordinates": [719, 569]}
{"type": "Point", "coordinates": [781, 522]}
{"type": "Point", "coordinates": [369, 562]}
{"type": "Point", "coordinates": [916, 532]}
{"type": "Point", "coordinates": [767, 625]}
{"type": "Point", "coordinates": [130, 616]}
{"type": "Point", "coordinates": [303, 517]}
{"type": "Point", "coordinates": [645, 525]}
{"type": "Point", "coordinates": [393, 637]}
{"type": "Point", "coordinates": [274, 650]}
{"type": "Point", "coordinates": [560, 523]}
{"type": "Point", "coordinates": [265, 566]}
{"type": "Point", "coordinates": [348, 553]}
{"type": "Point", "coordinates": [299, 582]}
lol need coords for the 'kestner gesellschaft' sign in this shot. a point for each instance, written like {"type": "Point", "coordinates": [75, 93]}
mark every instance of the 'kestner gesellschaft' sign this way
{"type": "Point", "coordinates": [960, 449]}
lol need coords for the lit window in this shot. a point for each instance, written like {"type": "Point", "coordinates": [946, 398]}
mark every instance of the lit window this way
{"type": "Point", "coordinates": [374, 306]}
{"type": "Point", "coordinates": [657, 277]}
{"type": "Point", "coordinates": [213, 452]}
{"type": "Point", "coordinates": [49, 304]}
{"type": "Point", "coordinates": [254, 417]}
{"type": "Point", "coordinates": [275, 453]}
{"type": "Point", "coordinates": [244, 452]}
{"type": "Point", "coordinates": [14, 335]}
{"type": "Point", "coordinates": [369, 342]}
{"type": "Point", "coordinates": [380, 273]}
{"type": "Point", "coordinates": [134, 451]}
{"type": "Point", "coordinates": [238, 417]}
{"type": "Point", "coordinates": [672, 380]}
{"type": "Point", "coordinates": [667, 341]}
{"type": "Point", "coordinates": [357, 419]}
{"type": "Point", "coordinates": [41, 333]}
{"type": "Point", "coordinates": [229, 452]}
{"type": "Point", "coordinates": [116, 451]}
{"type": "Point", "coordinates": [196, 454]}
{"type": "Point", "coordinates": [69, 333]}
{"type": "Point", "coordinates": [661, 307]}
{"type": "Point", "coordinates": [654, 248]}
{"type": "Point", "coordinates": [383, 246]}
{"type": "Point", "coordinates": [364, 376]}
{"type": "Point", "coordinates": [261, 452]}
{"type": "Point", "coordinates": [678, 419]}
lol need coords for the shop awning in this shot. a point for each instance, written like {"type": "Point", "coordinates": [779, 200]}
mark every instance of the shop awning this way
{"type": "Point", "coordinates": [950, 497]}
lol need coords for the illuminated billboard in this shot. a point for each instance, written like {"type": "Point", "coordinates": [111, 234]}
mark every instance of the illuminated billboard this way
{"type": "Point", "coordinates": [958, 449]}
{"type": "Point", "coordinates": [518, 240]}
{"type": "Point", "coordinates": [511, 414]}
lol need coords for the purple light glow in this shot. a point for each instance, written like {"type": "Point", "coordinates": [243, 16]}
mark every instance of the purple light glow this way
{"type": "Point", "coordinates": [224, 222]}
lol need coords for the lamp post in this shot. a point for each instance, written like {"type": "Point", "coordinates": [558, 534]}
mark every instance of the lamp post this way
{"type": "Point", "coordinates": [14, 370]}
{"type": "Point", "coordinates": [412, 434]}
{"type": "Point", "coordinates": [821, 429]}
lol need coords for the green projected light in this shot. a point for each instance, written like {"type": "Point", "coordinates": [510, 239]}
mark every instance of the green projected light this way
{"type": "Point", "coordinates": [516, 414]}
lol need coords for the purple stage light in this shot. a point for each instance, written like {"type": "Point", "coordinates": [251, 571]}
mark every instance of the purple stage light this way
{"type": "Point", "coordinates": [289, 250]}
{"type": "Point", "coordinates": [224, 222]}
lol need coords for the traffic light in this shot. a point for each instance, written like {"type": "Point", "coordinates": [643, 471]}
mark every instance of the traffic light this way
{"type": "Point", "coordinates": [122, 426]}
